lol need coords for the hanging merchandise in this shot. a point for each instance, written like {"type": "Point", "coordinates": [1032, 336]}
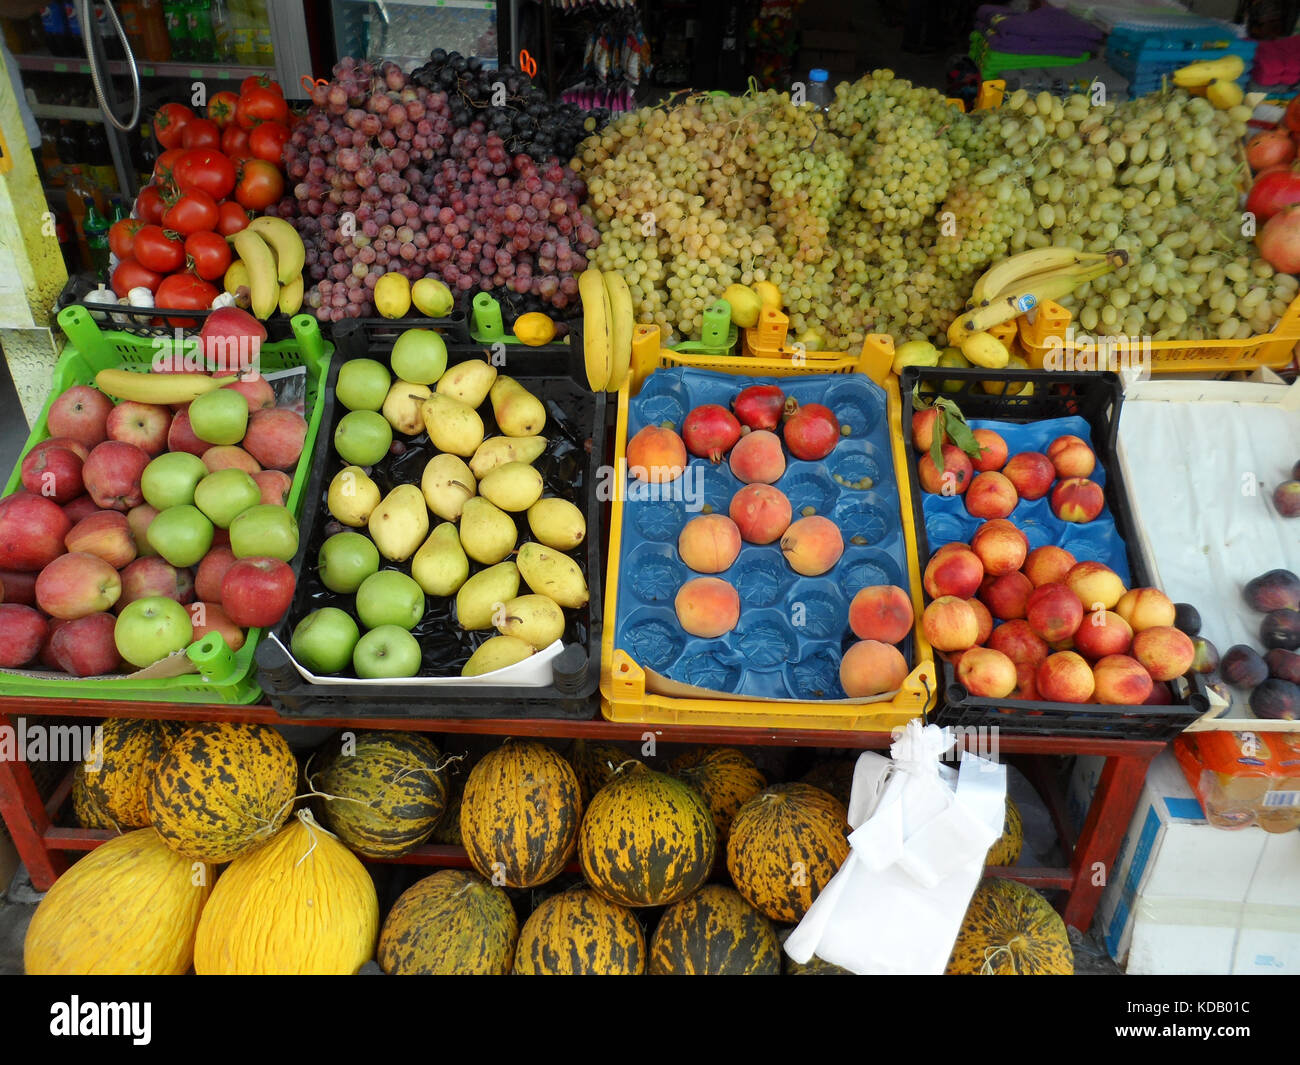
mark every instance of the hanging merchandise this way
{"type": "Point", "coordinates": [596, 5]}
{"type": "Point", "coordinates": [615, 59]}
{"type": "Point", "coordinates": [774, 37]}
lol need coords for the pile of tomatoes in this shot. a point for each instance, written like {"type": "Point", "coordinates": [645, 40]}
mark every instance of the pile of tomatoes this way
{"type": "Point", "coordinates": [213, 175]}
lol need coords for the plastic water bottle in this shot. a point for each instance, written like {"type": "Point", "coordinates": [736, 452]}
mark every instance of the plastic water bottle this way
{"type": "Point", "coordinates": [820, 93]}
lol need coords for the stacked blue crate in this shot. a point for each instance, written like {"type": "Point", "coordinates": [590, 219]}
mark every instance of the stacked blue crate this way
{"type": "Point", "coordinates": [1147, 55]}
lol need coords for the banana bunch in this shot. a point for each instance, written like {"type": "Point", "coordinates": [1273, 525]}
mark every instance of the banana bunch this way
{"type": "Point", "coordinates": [269, 267]}
{"type": "Point", "coordinates": [1215, 79]}
{"type": "Point", "coordinates": [607, 328]}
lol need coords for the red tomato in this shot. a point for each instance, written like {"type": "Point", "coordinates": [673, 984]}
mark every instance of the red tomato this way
{"type": "Point", "coordinates": [231, 218]}
{"type": "Point", "coordinates": [259, 81]}
{"type": "Point", "coordinates": [156, 250]}
{"type": "Point", "coordinates": [130, 274]}
{"type": "Point", "coordinates": [164, 167]}
{"type": "Point", "coordinates": [191, 212]}
{"type": "Point", "coordinates": [170, 122]}
{"type": "Point", "coordinates": [149, 205]}
{"type": "Point", "coordinates": [206, 169]}
{"type": "Point", "coordinates": [221, 108]}
{"type": "Point", "coordinates": [121, 236]}
{"type": "Point", "coordinates": [234, 139]}
{"type": "Point", "coordinates": [261, 105]}
{"type": "Point", "coordinates": [184, 292]}
{"type": "Point", "coordinates": [201, 133]}
{"type": "Point", "coordinates": [208, 254]}
{"type": "Point", "coordinates": [267, 141]}
{"type": "Point", "coordinates": [260, 184]}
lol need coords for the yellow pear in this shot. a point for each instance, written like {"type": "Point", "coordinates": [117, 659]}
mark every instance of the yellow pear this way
{"type": "Point", "coordinates": [400, 523]}
{"type": "Point", "coordinates": [432, 298]}
{"type": "Point", "coordinates": [552, 573]}
{"type": "Point", "coordinates": [483, 597]}
{"type": "Point", "coordinates": [447, 482]}
{"type": "Point", "coordinates": [468, 382]}
{"type": "Point", "coordinates": [494, 654]}
{"type": "Point", "coordinates": [440, 566]}
{"type": "Point", "coordinates": [402, 407]}
{"type": "Point", "coordinates": [487, 533]}
{"type": "Point", "coordinates": [518, 412]}
{"type": "Point", "coordinates": [352, 496]}
{"type": "Point", "coordinates": [515, 486]}
{"type": "Point", "coordinates": [452, 426]}
{"type": "Point", "coordinates": [535, 619]}
{"type": "Point", "coordinates": [557, 523]}
{"type": "Point", "coordinates": [498, 450]}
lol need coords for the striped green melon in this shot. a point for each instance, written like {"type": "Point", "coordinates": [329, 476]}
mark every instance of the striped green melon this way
{"type": "Point", "coordinates": [647, 840]}
{"type": "Point", "coordinates": [725, 778]}
{"type": "Point", "coordinates": [786, 844]}
{"type": "Point", "coordinates": [595, 763]}
{"type": "Point", "coordinates": [122, 764]}
{"type": "Point", "coordinates": [222, 790]}
{"type": "Point", "coordinates": [1011, 930]}
{"type": "Point", "coordinates": [714, 933]}
{"type": "Point", "coordinates": [814, 966]}
{"type": "Point", "coordinates": [520, 813]}
{"type": "Point", "coordinates": [381, 793]}
{"type": "Point", "coordinates": [1006, 851]}
{"type": "Point", "coordinates": [85, 810]}
{"type": "Point", "coordinates": [833, 775]}
{"type": "Point", "coordinates": [578, 933]}
{"type": "Point", "coordinates": [453, 923]}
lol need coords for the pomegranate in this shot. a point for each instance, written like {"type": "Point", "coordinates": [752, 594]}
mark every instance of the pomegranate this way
{"type": "Point", "coordinates": [759, 406]}
{"type": "Point", "coordinates": [710, 431]}
{"type": "Point", "coordinates": [1269, 148]}
{"type": "Point", "coordinates": [811, 431]}
{"type": "Point", "coordinates": [1279, 240]}
{"type": "Point", "coordinates": [1273, 191]}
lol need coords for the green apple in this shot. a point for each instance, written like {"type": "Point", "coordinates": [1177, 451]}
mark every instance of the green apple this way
{"type": "Point", "coordinates": [169, 480]}
{"type": "Point", "coordinates": [220, 416]}
{"type": "Point", "coordinates": [363, 437]}
{"type": "Point", "coordinates": [151, 628]}
{"type": "Point", "coordinates": [181, 535]}
{"type": "Point", "coordinates": [388, 651]}
{"type": "Point", "coordinates": [226, 494]}
{"type": "Point", "coordinates": [363, 384]}
{"type": "Point", "coordinates": [324, 639]}
{"type": "Point", "coordinates": [419, 356]}
{"type": "Point", "coordinates": [264, 529]}
{"type": "Point", "coordinates": [390, 597]}
{"type": "Point", "coordinates": [345, 560]}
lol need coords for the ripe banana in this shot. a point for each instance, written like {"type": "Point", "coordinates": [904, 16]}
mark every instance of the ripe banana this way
{"type": "Point", "coordinates": [264, 289]}
{"type": "Point", "coordinates": [1225, 68]}
{"type": "Point", "coordinates": [1052, 287]}
{"type": "Point", "coordinates": [1001, 276]}
{"type": "Point", "coordinates": [621, 326]}
{"type": "Point", "coordinates": [597, 344]}
{"type": "Point", "coordinates": [157, 388]}
{"type": "Point", "coordinates": [283, 239]}
{"type": "Point", "coordinates": [291, 296]}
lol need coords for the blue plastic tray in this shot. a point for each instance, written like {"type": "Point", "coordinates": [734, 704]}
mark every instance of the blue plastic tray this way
{"type": "Point", "coordinates": [767, 655]}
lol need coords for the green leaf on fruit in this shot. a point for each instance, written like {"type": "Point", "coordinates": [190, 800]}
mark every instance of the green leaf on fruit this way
{"type": "Point", "coordinates": [953, 422]}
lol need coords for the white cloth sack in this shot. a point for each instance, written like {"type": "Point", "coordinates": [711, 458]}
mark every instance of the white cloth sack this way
{"type": "Point", "coordinates": [921, 833]}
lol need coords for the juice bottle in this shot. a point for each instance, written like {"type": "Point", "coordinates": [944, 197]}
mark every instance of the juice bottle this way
{"type": "Point", "coordinates": [263, 49]}
{"type": "Point", "coordinates": [99, 166]}
{"type": "Point", "coordinates": [156, 45]}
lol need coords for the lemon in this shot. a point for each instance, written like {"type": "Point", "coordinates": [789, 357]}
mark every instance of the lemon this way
{"type": "Point", "coordinates": [769, 295]}
{"type": "Point", "coordinates": [915, 353]}
{"type": "Point", "coordinates": [984, 349]}
{"type": "Point", "coordinates": [534, 329]}
{"type": "Point", "coordinates": [393, 295]}
{"type": "Point", "coordinates": [432, 298]}
{"type": "Point", "coordinates": [995, 388]}
{"type": "Point", "coordinates": [745, 305]}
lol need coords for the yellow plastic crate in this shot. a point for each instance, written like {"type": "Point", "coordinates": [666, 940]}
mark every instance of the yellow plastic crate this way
{"type": "Point", "coordinates": [623, 681]}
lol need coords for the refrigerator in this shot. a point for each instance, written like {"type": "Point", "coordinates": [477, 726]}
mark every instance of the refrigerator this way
{"type": "Point", "coordinates": [406, 31]}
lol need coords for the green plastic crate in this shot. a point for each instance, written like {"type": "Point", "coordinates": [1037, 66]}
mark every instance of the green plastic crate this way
{"type": "Point", "coordinates": [226, 678]}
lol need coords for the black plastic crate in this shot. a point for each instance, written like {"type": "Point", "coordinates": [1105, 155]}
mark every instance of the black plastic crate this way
{"type": "Point", "coordinates": [1096, 398]}
{"type": "Point", "coordinates": [570, 466]}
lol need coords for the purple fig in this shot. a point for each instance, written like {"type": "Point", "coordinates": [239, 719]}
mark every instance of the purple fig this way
{"type": "Point", "coordinates": [1281, 628]}
{"type": "Point", "coordinates": [1276, 699]}
{"type": "Point", "coordinates": [1207, 656]}
{"type": "Point", "coordinates": [1278, 589]}
{"type": "Point", "coordinates": [1283, 664]}
{"type": "Point", "coordinates": [1242, 667]}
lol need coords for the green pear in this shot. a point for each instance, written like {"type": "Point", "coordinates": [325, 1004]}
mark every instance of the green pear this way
{"type": "Point", "coordinates": [482, 598]}
{"type": "Point", "coordinates": [535, 619]}
{"type": "Point", "coordinates": [402, 407]}
{"type": "Point", "coordinates": [518, 412]}
{"type": "Point", "coordinates": [352, 496]}
{"type": "Point", "coordinates": [446, 484]}
{"type": "Point", "coordinates": [468, 382]}
{"type": "Point", "coordinates": [557, 523]}
{"type": "Point", "coordinates": [487, 533]}
{"type": "Point", "coordinates": [452, 426]}
{"type": "Point", "coordinates": [400, 523]}
{"type": "Point", "coordinates": [551, 573]}
{"type": "Point", "coordinates": [498, 450]}
{"type": "Point", "coordinates": [440, 566]}
{"type": "Point", "coordinates": [494, 654]}
{"type": "Point", "coordinates": [515, 487]}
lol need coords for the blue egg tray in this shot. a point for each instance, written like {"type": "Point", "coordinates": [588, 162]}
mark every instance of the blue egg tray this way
{"type": "Point", "coordinates": [792, 628]}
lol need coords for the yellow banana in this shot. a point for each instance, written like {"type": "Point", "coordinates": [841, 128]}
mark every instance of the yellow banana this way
{"type": "Point", "coordinates": [264, 289]}
{"type": "Point", "coordinates": [597, 349]}
{"type": "Point", "coordinates": [1002, 275]}
{"type": "Point", "coordinates": [291, 296]}
{"type": "Point", "coordinates": [283, 239]}
{"type": "Point", "coordinates": [1052, 287]}
{"type": "Point", "coordinates": [157, 388]}
{"type": "Point", "coordinates": [621, 326]}
{"type": "Point", "coordinates": [1225, 68]}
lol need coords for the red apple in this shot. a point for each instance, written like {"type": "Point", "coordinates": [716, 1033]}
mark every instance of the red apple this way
{"type": "Point", "coordinates": [105, 534]}
{"type": "Point", "coordinates": [180, 437]}
{"type": "Point", "coordinates": [22, 631]}
{"type": "Point", "coordinates": [275, 437]}
{"type": "Point", "coordinates": [77, 584]}
{"type": "Point", "coordinates": [45, 656]}
{"type": "Point", "coordinates": [258, 392]}
{"type": "Point", "coordinates": [211, 571]}
{"type": "Point", "coordinates": [143, 424]}
{"type": "Point", "coordinates": [19, 587]}
{"type": "Point", "coordinates": [211, 617]}
{"type": "Point", "coordinates": [230, 456]}
{"type": "Point", "coordinates": [81, 413]}
{"type": "Point", "coordinates": [146, 577]}
{"type": "Point", "coordinates": [76, 446]}
{"type": "Point", "coordinates": [54, 473]}
{"type": "Point", "coordinates": [139, 519]}
{"type": "Point", "coordinates": [81, 507]}
{"type": "Point", "coordinates": [112, 475]}
{"type": "Point", "coordinates": [31, 532]}
{"type": "Point", "coordinates": [275, 485]}
{"type": "Point", "coordinates": [256, 591]}
{"type": "Point", "coordinates": [84, 647]}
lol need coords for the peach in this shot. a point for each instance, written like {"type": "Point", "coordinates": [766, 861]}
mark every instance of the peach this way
{"type": "Point", "coordinates": [1095, 582]}
{"type": "Point", "coordinates": [1164, 651]}
{"type": "Point", "coordinates": [1019, 642]}
{"type": "Point", "coordinates": [709, 543]}
{"type": "Point", "coordinates": [986, 672]}
{"type": "Point", "coordinates": [882, 612]}
{"type": "Point", "coordinates": [1121, 680]}
{"type": "Point", "coordinates": [180, 435]}
{"type": "Point", "coordinates": [984, 618]}
{"type": "Point", "coordinates": [1008, 596]}
{"type": "Point", "coordinates": [106, 534]}
{"type": "Point", "coordinates": [1026, 681]}
{"type": "Point", "coordinates": [950, 624]}
{"type": "Point", "coordinates": [1054, 612]}
{"type": "Point", "coordinates": [993, 450]}
{"type": "Point", "coordinates": [1102, 633]}
{"type": "Point", "coordinates": [1048, 565]}
{"type": "Point", "coordinates": [1160, 696]}
{"type": "Point", "coordinates": [707, 606]}
{"type": "Point", "coordinates": [811, 545]}
{"type": "Point", "coordinates": [152, 576]}
{"type": "Point", "coordinates": [953, 572]}
{"type": "Point", "coordinates": [77, 584]}
{"type": "Point", "coordinates": [757, 458]}
{"type": "Point", "coordinates": [275, 437]}
{"type": "Point", "coordinates": [275, 485]}
{"type": "Point", "coordinates": [1077, 499]}
{"type": "Point", "coordinates": [139, 519]}
{"type": "Point", "coordinates": [1065, 678]}
{"type": "Point", "coordinates": [1000, 546]}
{"type": "Point", "coordinates": [991, 495]}
{"type": "Point", "coordinates": [1145, 608]}
{"type": "Point", "coordinates": [656, 455]}
{"type": "Point", "coordinates": [1071, 456]}
{"type": "Point", "coordinates": [228, 456]}
{"type": "Point", "coordinates": [1032, 473]}
{"type": "Point", "coordinates": [953, 479]}
{"type": "Point", "coordinates": [870, 667]}
{"type": "Point", "coordinates": [210, 573]}
{"type": "Point", "coordinates": [923, 424]}
{"type": "Point", "coordinates": [209, 617]}
{"type": "Point", "coordinates": [761, 513]}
